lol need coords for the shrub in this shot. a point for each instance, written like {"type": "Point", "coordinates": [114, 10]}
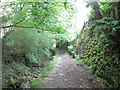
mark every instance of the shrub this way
{"type": "Point", "coordinates": [27, 44]}
{"type": "Point", "coordinates": [23, 51]}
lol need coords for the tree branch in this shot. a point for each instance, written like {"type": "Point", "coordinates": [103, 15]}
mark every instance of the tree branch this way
{"type": "Point", "coordinates": [20, 27]}
{"type": "Point", "coordinates": [27, 27]}
{"type": "Point", "coordinates": [14, 25]}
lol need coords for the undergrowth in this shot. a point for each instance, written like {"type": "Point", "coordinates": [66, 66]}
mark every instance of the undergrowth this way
{"type": "Point", "coordinates": [24, 50]}
{"type": "Point", "coordinates": [37, 83]}
{"type": "Point", "coordinates": [98, 47]}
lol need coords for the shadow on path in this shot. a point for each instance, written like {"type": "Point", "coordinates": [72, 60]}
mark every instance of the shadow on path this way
{"type": "Point", "coordinates": [67, 74]}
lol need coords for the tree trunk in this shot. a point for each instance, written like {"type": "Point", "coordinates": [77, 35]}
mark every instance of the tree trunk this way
{"type": "Point", "coordinates": [96, 9]}
{"type": "Point", "coordinates": [116, 10]}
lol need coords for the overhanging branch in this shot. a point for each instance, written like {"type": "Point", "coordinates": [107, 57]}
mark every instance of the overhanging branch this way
{"type": "Point", "coordinates": [14, 25]}
{"type": "Point", "coordinates": [21, 27]}
{"type": "Point", "coordinates": [27, 27]}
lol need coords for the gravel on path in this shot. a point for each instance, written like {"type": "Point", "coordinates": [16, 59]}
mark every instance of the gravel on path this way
{"type": "Point", "coordinates": [69, 74]}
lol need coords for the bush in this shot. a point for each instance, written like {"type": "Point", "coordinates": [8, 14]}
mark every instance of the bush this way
{"type": "Point", "coordinates": [63, 41]}
{"type": "Point", "coordinates": [24, 51]}
{"type": "Point", "coordinates": [98, 47]}
{"type": "Point", "coordinates": [33, 46]}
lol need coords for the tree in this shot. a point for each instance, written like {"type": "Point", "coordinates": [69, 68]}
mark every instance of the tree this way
{"type": "Point", "coordinates": [116, 10]}
{"type": "Point", "coordinates": [40, 15]}
{"type": "Point", "coordinates": [96, 8]}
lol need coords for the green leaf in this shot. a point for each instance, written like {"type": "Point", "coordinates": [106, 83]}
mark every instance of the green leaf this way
{"type": "Point", "coordinates": [97, 48]}
{"type": "Point", "coordinates": [114, 22]}
{"type": "Point", "coordinates": [101, 27]}
{"type": "Point", "coordinates": [101, 21]}
{"type": "Point", "coordinates": [118, 27]}
{"type": "Point", "coordinates": [93, 24]}
{"type": "Point", "coordinates": [106, 45]}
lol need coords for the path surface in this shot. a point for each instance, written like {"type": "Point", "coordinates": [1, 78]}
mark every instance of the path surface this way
{"type": "Point", "coordinates": [67, 74]}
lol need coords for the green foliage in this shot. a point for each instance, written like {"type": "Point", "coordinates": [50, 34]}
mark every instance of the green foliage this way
{"type": "Point", "coordinates": [105, 9]}
{"type": "Point", "coordinates": [46, 16]}
{"type": "Point", "coordinates": [15, 73]}
{"type": "Point", "coordinates": [32, 29]}
{"type": "Point", "coordinates": [106, 23]}
{"type": "Point", "coordinates": [99, 50]}
{"type": "Point", "coordinates": [102, 60]}
{"type": "Point", "coordinates": [70, 48]}
{"type": "Point", "coordinates": [62, 37]}
{"type": "Point", "coordinates": [43, 73]}
{"type": "Point", "coordinates": [79, 61]}
{"type": "Point", "coordinates": [36, 82]}
{"type": "Point", "coordinates": [24, 49]}
{"type": "Point", "coordinates": [40, 44]}
{"type": "Point", "coordinates": [13, 81]}
{"type": "Point", "coordinates": [62, 40]}
{"type": "Point", "coordinates": [91, 14]}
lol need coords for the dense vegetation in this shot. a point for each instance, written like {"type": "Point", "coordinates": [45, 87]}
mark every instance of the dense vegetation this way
{"type": "Point", "coordinates": [98, 43]}
{"type": "Point", "coordinates": [31, 29]}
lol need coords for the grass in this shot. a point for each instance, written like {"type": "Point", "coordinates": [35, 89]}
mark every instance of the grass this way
{"type": "Point", "coordinates": [36, 82]}
{"type": "Point", "coordinates": [44, 73]}
{"type": "Point", "coordinates": [78, 61]}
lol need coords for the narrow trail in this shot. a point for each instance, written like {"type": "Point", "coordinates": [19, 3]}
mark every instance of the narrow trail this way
{"type": "Point", "coordinates": [67, 74]}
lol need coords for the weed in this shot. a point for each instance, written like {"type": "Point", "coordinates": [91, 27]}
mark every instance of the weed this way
{"type": "Point", "coordinates": [44, 73]}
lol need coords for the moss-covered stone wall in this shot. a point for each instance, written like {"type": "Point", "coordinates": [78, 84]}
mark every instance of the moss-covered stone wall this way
{"type": "Point", "coordinates": [100, 52]}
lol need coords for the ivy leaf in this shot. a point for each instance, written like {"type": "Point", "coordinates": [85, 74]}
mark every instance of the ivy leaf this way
{"type": "Point", "coordinates": [114, 22]}
{"type": "Point", "coordinates": [118, 27]}
{"type": "Point", "coordinates": [97, 48]}
{"type": "Point", "coordinates": [106, 45]}
{"type": "Point", "coordinates": [93, 24]}
{"type": "Point", "coordinates": [101, 27]}
{"type": "Point", "coordinates": [100, 21]}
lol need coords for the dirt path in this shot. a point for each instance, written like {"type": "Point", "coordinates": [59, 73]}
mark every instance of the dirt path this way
{"type": "Point", "coordinates": [66, 74]}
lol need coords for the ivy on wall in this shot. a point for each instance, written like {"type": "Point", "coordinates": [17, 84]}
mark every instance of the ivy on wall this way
{"type": "Point", "coordinates": [97, 48]}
